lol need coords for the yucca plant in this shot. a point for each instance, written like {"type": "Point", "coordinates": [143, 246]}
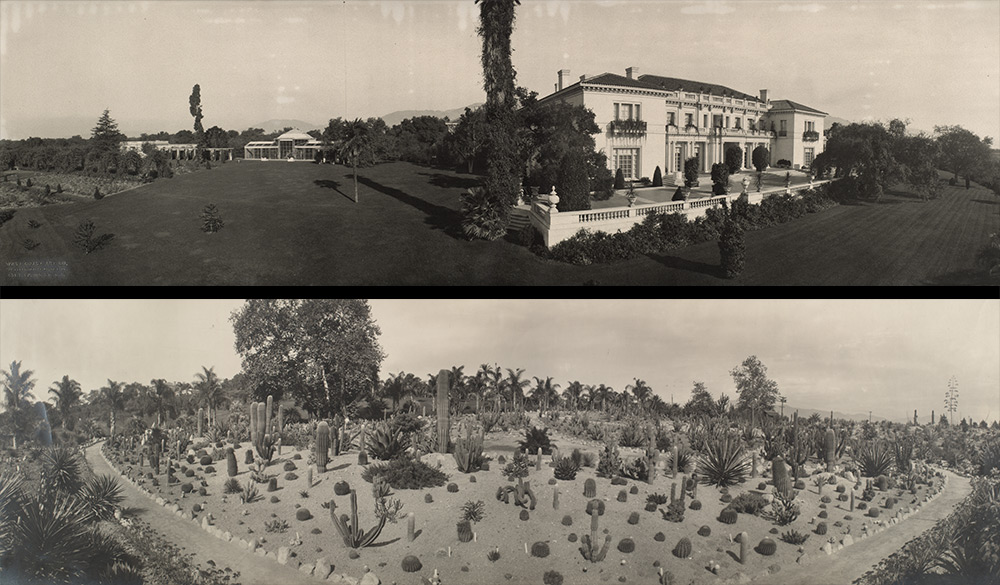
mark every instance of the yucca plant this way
{"type": "Point", "coordinates": [383, 443]}
{"type": "Point", "coordinates": [105, 552]}
{"type": "Point", "coordinates": [232, 486]}
{"type": "Point", "coordinates": [61, 470]}
{"type": "Point", "coordinates": [102, 496]}
{"type": "Point", "coordinates": [874, 459]}
{"type": "Point", "coordinates": [10, 505]}
{"type": "Point", "coordinates": [51, 540]}
{"type": "Point", "coordinates": [724, 464]}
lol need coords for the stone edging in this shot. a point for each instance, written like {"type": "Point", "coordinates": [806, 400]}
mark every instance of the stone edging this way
{"type": "Point", "coordinates": [321, 569]}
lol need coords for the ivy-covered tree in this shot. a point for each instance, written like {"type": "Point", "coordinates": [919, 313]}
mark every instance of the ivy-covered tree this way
{"type": "Point", "coordinates": [324, 353]}
{"type": "Point", "coordinates": [574, 185]}
{"type": "Point", "coordinates": [734, 159]}
{"type": "Point", "coordinates": [503, 169]}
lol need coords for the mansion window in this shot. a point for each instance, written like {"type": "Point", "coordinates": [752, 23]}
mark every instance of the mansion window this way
{"type": "Point", "coordinates": [627, 159]}
{"type": "Point", "coordinates": [627, 112]}
{"type": "Point", "coordinates": [810, 126]}
{"type": "Point", "coordinates": [752, 123]}
{"type": "Point", "coordinates": [717, 121]}
{"type": "Point", "coordinates": [689, 119]}
{"type": "Point", "coordinates": [727, 121]}
{"type": "Point", "coordinates": [704, 121]}
{"type": "Point", "coordinates": [739, 123]}
{"type": "Point", "coordinates": [783, 131]}
{"type": "Point", "coordinates": [671, 119]}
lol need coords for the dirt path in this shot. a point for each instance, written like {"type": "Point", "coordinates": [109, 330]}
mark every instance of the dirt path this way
{"type": "Point", "coordinates": [851, 563]}
{"type": "Point", "coordinates": [253, 569]}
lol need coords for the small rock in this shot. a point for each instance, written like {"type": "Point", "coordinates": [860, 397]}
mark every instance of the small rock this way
{"type": "Point", "coordinates": [369, 579]}
{"type": "Point", "coordinates": [801, 556]}
{"type": "Point", "coordinates": [322, 568]}
{"type": "Point", "coordinates": [828, 548]}
{"type": "Point", "coordinates": [307, 568]}
{"type": "Point", "coordinates": [260, 552]}
{"type": "Point", "coordinates": [848, 540]}
{"type": "Point", "coordinates": [283, 555]}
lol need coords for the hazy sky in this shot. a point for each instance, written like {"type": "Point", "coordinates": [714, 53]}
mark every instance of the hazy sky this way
{"type": "Point", "coordinates": [62, 63]}
{"type": "Point", "coordinates": [889, 356]}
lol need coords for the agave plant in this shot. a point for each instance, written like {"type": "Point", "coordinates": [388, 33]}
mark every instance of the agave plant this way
{"type": "Point", "coordinates": [232, 486]}
{"type": "Point", "coordinates": [874, 459]}
{"type": "Point", "coordinates": [102, 496]}
{"type": "Point", "coordinates": [724, 463]}
{"type": "Point", "coordinates": [10, 504]}
{"type": "Point", "coordinates": [384, 443]}
{"type": "Point", "coordinates": [51, 540]}
{"type": "Point", "coordinates": [61, 470]}
{"type": "Point", "coordinates": [250, 494]}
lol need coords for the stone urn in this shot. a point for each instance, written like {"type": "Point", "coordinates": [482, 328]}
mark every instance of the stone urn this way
{"type": "Point", "coordinates": [553, 200]}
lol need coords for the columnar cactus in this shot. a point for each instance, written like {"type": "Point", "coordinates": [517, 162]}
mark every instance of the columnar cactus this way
{"type": "Point", "coordinates": [589, 488]}
{"type": "Point", "coordinates": [322, 446]}
{"type": "Point", "coordinates": [589, 548]}
{"type": "Point", "coordinates": [674, 468]}
{"type": "Point", "coordinates": [555, 499]}
{"type": "Point", "coordinates": [201, 415]}
{"type": "Point", "coordinates": [673, 492]}
{"type": "Point", "coordinates": [231, 462]}
{"type": "Point", "coordinates": [782, 481]}
{"type": "Point", "coordinates": [411, 525]}
{"type": "Point", "coordinates": [443, 422]}
{"type": "Point", "coordinates": [744, 539]}
{"type": "Point", "coordinates": [831, 449]}
{"type": "Point", "coordinates": [753, 466]}
{"type": "Point", "coordinates": [852, 501]}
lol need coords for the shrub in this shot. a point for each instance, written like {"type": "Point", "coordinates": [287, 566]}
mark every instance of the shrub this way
{"type": "Point", "coordinates": [610, 462]}
{"type": "Point", "coordinates": [657, 177]}
{"type": "Point", "coordinates": [763, 486]}
{"type": "Point", "coordinates": [874, 458]}
{"type": "Point", "coordinates": [633, 435]}
{"type": "Point", "coordinates": [411, 564]}
{"type": "Point", "coordinates": [552, 578]}
{"type": "Point", "coordinates": [405, 473]}
{"type": "Point", "coordinates": [473, 511]}
{"type": "Point", "coordinates": [724, 463]}
{"type": "Point", "coordinates": [535, 439]}
{"type": "Point", "coordinates": [675, 511]}
{"type": "Point", "coordinates": [277, 525]}
{"type": "Point", "coordinates": [749, 503]}
{"type": "Point", "coordinates": [626, 545]}
{"type": "Point", "coordinates": [102, 495]}
{"type": "Point", "coordinates": [250, 494]}
{"type": "Point", "coordinates": [720, 179]}
{"type": "Point", "coordinates": [783, 510]}
{"type": "Point", "coordinates": [657, 499]}
{"type": "Point", "coordinates": [540, 550]}
{"type": "Point", "coordinates": [691, 172]}
{"type": "Point", "coordinates": [619, 179]}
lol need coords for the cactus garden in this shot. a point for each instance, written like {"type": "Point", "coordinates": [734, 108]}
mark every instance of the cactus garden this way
{"type": "Point", "coordinates": [435, 482]}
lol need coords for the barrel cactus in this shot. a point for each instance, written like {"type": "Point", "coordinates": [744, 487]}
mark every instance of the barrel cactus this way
{"type": "Point", "coordinates": [464, 531]}
{"type": "Point", "coordinates": [589, 488]}
{"type": "Point", "coordinates": [767, 547]}
{"type": "Point", "coordinates": [524, 515]}
{"type": "Point", "coordinates": [695, 505]}
{"type": "Point", "coordinates": [411, 564]}
{"type": "Point", "coordinates": [626, 545]}
{"type": "Point", "coordinates": [633, 518]}
{"type": "Point", "coordinates": [704, 531]}
{"type": "Point", "coordinates": [683, 548]}
{"type": "Point", "coordinates": [567, 520]}
{"type": "Point", "coordinates": [728, 516]}
{"type": "Point", "coordinates": [342, 488]}
{"type": "Point", "coordinates": [303, 514]}
{"type": "Point", "coordinates": [821, 528]}
{"type": "Point", "coordinates": [540, 550]}
{"type": "Point", "coordinates": [622, 496]}
{"type": "Point", "coordinates": [659, 537]}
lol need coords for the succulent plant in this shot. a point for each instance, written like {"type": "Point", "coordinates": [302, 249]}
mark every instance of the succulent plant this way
{"type": "Point", "coordinates": [567, 520]}
{"type": "Point", "coordinates": [595, 505]}
{"type": "Point", "coordinates": [303, 514]}
{"type": "Point", "coordinates": [767, 547]}
{"type": "Point", "coordinates": [540, 549]}
{"type": "Point", "coordinates": [622, 496]}
{"type": "Point", "coordinates": [683, 548]}
{"type": "Point", "coordinates": [453, 487]}
{"type": "Point", "coordinates": [821, 528]}
{"type": "Point", "coordinates": [728, 516]}
{"type": "Point", "coordinates": [633, 518]}
{"type": "Point", "coordinates": [589, 488]}
{"type": "Point", "coordinates": [659, 537]}
{"type": "Point", "coordinates": [695, 505]}
{"type": "Point", "coordinates": [626, 545]}
{"type": "Point", "coordinates": [704, 531]}
{"type": "Point", "coordinates": [411, 564]}
{"type": "Point", "coordinates": [342, 488]}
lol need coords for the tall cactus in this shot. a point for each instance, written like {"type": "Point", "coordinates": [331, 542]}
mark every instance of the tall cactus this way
{"type": "Point", "coordinates": [349, 530]}
{"type": "Point", "coordinates": [589, 548]}
{"type": "Point", "coordinates": [831, 449]}
{"type": "Point", "coordinates": [322, 446]}
{"type": "Point", "coordinates": [782, 482]}
{"type": "Point", "coordinates": [201, 416]}
{"type": "Point", "coordinates": [744, 539]}
{"type": "Point", "coordinates": [443, 422]}
{"type": "Point", "coordinates": [231, 462]}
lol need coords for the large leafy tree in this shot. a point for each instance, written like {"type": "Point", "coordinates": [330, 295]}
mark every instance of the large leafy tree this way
{"type": "Point", "coordinates": [757, 392]}
{"type": "Point", "coordinates": [962, 151]}
{"type": "Point", "coordinates": [469, 138]}
{"type": "Point", "coordinates": [17, 396]}
{"type": "Point", "coordinates": [864, 153]}
{"type": "Point", "coordinates": [503, 173]}
{"type": "Point", "coordinates": [67, 392]}
{"type": "Point", "coordinates": [419, 139]}
{"type": "Point", "coordinates": [701, 402]}
{"type": "Point", "coordinates": [357, 141]}
{"type": "Point", "coordinates": [322, 352]}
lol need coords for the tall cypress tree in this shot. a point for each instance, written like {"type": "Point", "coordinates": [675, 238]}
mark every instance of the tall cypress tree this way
{"type": "Point", "coordinates": [195, 102]}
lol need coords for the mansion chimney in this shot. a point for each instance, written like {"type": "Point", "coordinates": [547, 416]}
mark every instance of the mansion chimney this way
{"type": "Point", "coordinates": [563, 79]}
{"type": "Point", "coordinates": [632, 73]}
{"type": "Point", "coordinates": [763, 96]}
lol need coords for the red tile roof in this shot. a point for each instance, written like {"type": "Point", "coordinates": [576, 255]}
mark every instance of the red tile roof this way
{"type": "Point", "coordinates": [675, 84]}
{"type": "Point", "coordinates": [790, 105]}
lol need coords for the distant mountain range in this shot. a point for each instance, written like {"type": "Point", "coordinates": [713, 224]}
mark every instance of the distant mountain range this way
{"type": "Point", "coordinates": [831, 120]}
{"type": "Point", "coordinates": [825, 414]}
{"type": "Point", "coordinates": [279, 125]}
{"type": "Point", "coordinates": [397, 117]}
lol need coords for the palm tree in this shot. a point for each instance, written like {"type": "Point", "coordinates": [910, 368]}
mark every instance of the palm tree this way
{"type": "Point", "coordinates": [395, 388]}
{"type": "Point", "coordinates": [160, 397]}
{"type": "Point", "coordinates": [68, 394]}
{"type": "Point", "coordinates": [495, 383]}
{"type": "Point", "coordinates": [544, 393]}
{"type": "Point", "coordinates": [113, 397]}
{"type": "Point", "coordinates": [496, 23]}
{"type": "Point", "coordinates": [209, 391]}
{"type": "Point", "coordinates": [515, 385]}
{"type": "Point", "coordinates": [459, 389]}
{"type": "Point", "coordinates": [600, 396]}
{"type": "Point", "coordinates": [17, 386]}
{"type": "Point", "coordinates": [641, 391]}
{"type": "Point", "coordinates": [357, 139]}
{"type": "Point", "coordinates": [573, 392]}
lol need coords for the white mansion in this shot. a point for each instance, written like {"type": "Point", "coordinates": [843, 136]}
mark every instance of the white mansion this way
{"type": "Point", "coordinates": [648, 121]}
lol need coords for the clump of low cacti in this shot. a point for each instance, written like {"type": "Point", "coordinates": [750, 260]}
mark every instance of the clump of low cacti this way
{"type": "Point", "coordinates": [626, 545]}
{"type": "Point", "coordinates": [767, 547]}
{"type": "Point", "coordinates": [683, 548]}
{"type": "Point", "coordinates": [589, 488]}
{"type": "Point", "coordinates": [411, 564]}
{"type": "Point", "coordinates": [540, 549]}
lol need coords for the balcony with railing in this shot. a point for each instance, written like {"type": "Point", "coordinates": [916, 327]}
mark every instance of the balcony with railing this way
{"type": "Point", "coordinates": [782, 132]}
{"type": "Point", "coordinates": [629, 127]}
{"type": "Point", "coordinates": [810, 136]}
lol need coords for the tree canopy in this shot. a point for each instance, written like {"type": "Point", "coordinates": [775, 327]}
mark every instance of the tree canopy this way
{"type": "Point", "coordinates": [105, 137]}
{"type": "Point", "coordinates": [195, 102]}
{"type": "Point", "coordinates": [323, 353]}
{"type": "Point", "coordinates": [757, 392]}
{"type": "Point", "coordinates": [961, 151]}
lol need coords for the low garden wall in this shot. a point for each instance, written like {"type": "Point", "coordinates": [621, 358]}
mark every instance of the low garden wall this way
{"type": "Point", "coordinates": [559, 226]}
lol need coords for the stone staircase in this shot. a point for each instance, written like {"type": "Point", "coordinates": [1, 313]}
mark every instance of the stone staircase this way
{"type": "Point", "coordinates": [518, 219]}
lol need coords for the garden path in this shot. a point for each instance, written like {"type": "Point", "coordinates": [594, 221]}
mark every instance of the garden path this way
{"type": "Point", "coordinates": [254, 570]}
{"type": "Point", "coordinates": [854, 561]}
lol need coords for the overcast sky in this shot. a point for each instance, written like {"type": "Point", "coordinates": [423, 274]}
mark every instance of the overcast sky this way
{"type": "Point", "coordinates": [62, 63]}
{"type": "Point", "coordinates": [889, 356]}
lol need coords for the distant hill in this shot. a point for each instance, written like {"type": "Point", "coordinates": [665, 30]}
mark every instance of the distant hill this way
{"type": "Point", "coordinates": [807, 412]}
{"type": "Point", "coordinates": [831, 120]}
{"type": "Point", "coordinates": [279, 125]}
{"type": "Point", "coordinates": [397, 117]}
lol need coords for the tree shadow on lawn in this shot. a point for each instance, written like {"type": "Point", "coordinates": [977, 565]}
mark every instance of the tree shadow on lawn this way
{"type": "Point", "coordinates": [690, 265]}
{"type": "Point", "coordinates": [984, 201]}
{"type": "Point", "coordinates": [449, 181]}
{"type": "Point", "coordinates": [966, 277]}
{"type": "Point", "coordinates": [328, 184]}
{"type": "Point", "coordinates": [441, 218]}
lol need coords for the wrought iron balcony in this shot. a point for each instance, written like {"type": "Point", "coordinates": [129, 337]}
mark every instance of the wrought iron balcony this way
{"type": "Point", "coordinates": [782, 133]}
{"type": "Point", "coordinates": [632, 127]}
{"type": "Point", "coordinates": [810, 136]}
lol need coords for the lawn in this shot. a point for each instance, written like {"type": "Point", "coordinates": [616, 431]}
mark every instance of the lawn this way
{"type": "Point", "coordinates": [296, 224]}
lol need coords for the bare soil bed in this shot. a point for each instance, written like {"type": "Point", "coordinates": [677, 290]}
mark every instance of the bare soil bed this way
{"type": "Point", "coordinates": [437, 545]}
